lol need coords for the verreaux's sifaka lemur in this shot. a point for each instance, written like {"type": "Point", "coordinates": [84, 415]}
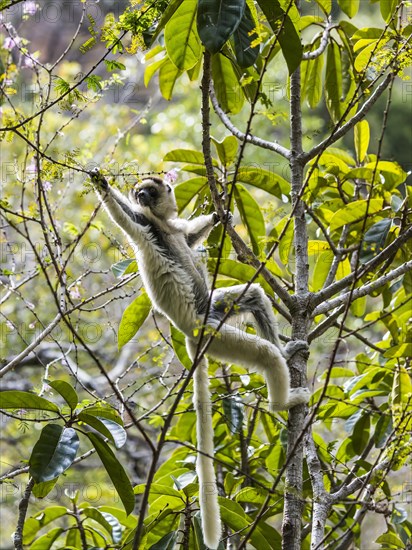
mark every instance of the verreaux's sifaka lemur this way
{"type": "Point", "coordinates": [177, 284]}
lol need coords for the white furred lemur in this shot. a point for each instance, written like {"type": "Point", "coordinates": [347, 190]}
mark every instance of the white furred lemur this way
{"type": "Point", "coordinates": [177, 284]}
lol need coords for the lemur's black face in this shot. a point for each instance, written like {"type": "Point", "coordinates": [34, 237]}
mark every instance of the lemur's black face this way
{"type": "Point", "coordinates": [156, 195]}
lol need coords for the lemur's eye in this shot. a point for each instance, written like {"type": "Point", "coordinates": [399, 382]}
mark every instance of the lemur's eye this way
{"type": "Point", "coordinates": [152, 191]}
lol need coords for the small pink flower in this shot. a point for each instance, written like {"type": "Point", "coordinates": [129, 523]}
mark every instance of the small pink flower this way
{"type": "Point", "coordinates": [171, 175]}
{"type": "Point", "coordinates": [75, 293]}
{"type": "Point", "coordinates": [28, 62]}
{"type": "Point", "coordinates": [47, 186]}
{"type": "Point", "coordinates": [29, 7]}
{"type": "Point", "coordinates": [10, 43]}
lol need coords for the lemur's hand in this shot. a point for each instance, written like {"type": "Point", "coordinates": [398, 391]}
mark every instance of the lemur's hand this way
{"type": "Point", "coordinates": [98, 179]}
{"type": "Point", "coordinates": [228, 215]}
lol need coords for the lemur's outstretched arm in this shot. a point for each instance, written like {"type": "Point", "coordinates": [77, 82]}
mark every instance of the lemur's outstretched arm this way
{"type": "Point", "coordinates": [118, 206]}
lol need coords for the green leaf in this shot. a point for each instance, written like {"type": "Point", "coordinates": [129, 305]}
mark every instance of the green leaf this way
{"type": "Point", "coordinates": [321, 270]}
{"type": "Point", "coordinates": [186, 155]}
{"type": "Point", "coordinates": [133, 318]}
{"type": "Point", "coordinates": [168, 75]}
{"type": "Point", "coordinates": [374, 240]}
{"type": "Point", "coordinates": [15, 399]}
{"type": "Point", "coordinates": [244, 35]}
{"type": "Point", "coordinates": [112, 65]}
{"type": "Point", "coordinates": [251, 215]}
{"type": "Point", "coordinates": [325, 5]}
{"type": "Point", "coordinates": [314, 85]}
{"type": "Point", "coordinates": [217, 20]}
{"type": "Point", "coordinates": [388, 8]}
{"type": "Point", "coordinates": [286, 32]}
{"type": "Point", "coordinates": [157, 489]}
{"type": "Point", "coordinates": [168, 542]}
{"type": "Point", "coordinates": [186, 191]}
{"type": "Point", "coordinates": [226, 149]}
{"type": "Point", "coordinates": [238, 271]}
{"type": "Point", "coordinates": [46, 541]}
{"type": "Point", "coordinates": [33, 524]}
{"type": "Point", "coordinates": [124, 267]}
{"type": "Point", "coordinates": [108, 428]}
{"type": "Point", "coordinates": [360, 436]}
{"type": "Point", "coordinates": [42, 489]}
{"type": "Point", "coordinates": [333, 82]}
{"type": "Point", "coordinates": [53, 453]}
{"type": "Point", "coordinates": [182, 41]}
{"type": "Point", "coordinates": [362, 135]}
{"type": "Point", "coordinates": [227, 88]}
{"type": "Point", "coordinates": [152, 69]}
{"type": "Point", "coordinates": [66, 391]}
{"type": "Point", "coordinates": [402, 387]}
{"type": "Point", "coordinates": [383, 430]}
{"type": "Point", "coordinates": [349, 7]}
{"type": "Point", "coordinates": [109, 522]}
{"type": "Point", "coordinates": [233, 409]}
{"type": "Point", "coordinates": [263, 179]}
{"type": "Point", "coordinates": [179, 345]}
{"type": "Point", "coordinates": [103, 410]}
{"type": "Point", "coordinates": [115, 470]}
{"type": "Point", "coordinates": [170, 10]}
{"type": "Point", "coordinates": [354, 212]}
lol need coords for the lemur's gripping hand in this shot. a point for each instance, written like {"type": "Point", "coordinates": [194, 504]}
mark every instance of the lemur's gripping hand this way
{"type": "Point", "coordinates": [228, 215]}
{"type": "Point", "coordinates": [99, 180]}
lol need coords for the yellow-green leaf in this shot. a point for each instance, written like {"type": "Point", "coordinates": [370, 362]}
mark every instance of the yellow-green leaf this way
{"type": "Point", "coordinates": [362, 136]}
{"type": "Point", "coordinates": [182, 40]}
{"type": "Point", "coordinates": [133, 318]}
{"type": "Point", "coordinates": [355, 211]}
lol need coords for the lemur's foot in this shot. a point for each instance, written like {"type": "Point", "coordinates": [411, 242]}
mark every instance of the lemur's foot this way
{"type": "Point", "coordinates": [294, 346]}
{"type": "Point", "coordinates": [297, 396]}
{"type": "Point", "coordinates": [98, 179]}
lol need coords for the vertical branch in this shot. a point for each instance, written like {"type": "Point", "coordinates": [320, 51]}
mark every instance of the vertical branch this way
{"type": "Point", "coordinates": [293, 508]}
{"type": "Point", "coordinates": [23, 505]}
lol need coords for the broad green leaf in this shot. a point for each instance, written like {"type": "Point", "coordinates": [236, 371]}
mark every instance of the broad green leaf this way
{"type": "Point", "coordinates": [124, 267]}
{"type": "Point", "coordinates": [374, 240]}
{"type": "Point", "coordinates": [45, 542]}
{"type": "Point", "coordinates": [286, 243]}
{"type": "Point", "coordinates": [251, 216]}
{"type": "Point", "coordinates": [362, 135]}
{"type": "Point", "coordinates": [103, 410]}
{"type": "Point", "coordinates": [170, 10]}
{"type": "Point", "coordinates": [42, 489]}
{"type": "Point", "coordinates": [364, 58]}
{"type": "Point", "coordinates": [317, 247]}
{"type": "Point", "coordinates": [108, 428]}
{"type": "Point", "coordinates": [179, 345]}
{"type": "Point", "coordinates": [186, 155]}
{"type": "Point", "coordinates": [322, 268]}
{"type": "Point", "coordinates": [186, 191]}
{"type": "Point", "coordinates": [33, 524]}
{"type": "Point", "coordinates": [388, 8]}
{"type": "Point", "coordinates": [254, 495]}
{"type": "Point", "coordinates": [367, 32]}
{"type": "Point", "coordinates": [233, 411]}
{"type": "Point", "coordinates": [264, 179]}
{"type": "Point", "coordinates": [66, 391]}
{"type": "Point", "coordinates": [402, 387]}
{"type": "Point", "coordinates": [350, 7]}
{"type": "Point", "coordinates": [325, 5]}
{"type": "Point", "coordinates": [236, 270]}
{"type": "Point", "coordinates": [53, 453]}
{"type": "Point", "coordinates": [227, 88]}
{"type": "Point", "coordinates": [157, 489]}
{"type": "Point", "coordinates": [383, 430]}
{"type": "Point", "coordinates": [167, 542]}
{"type": "Point", "coordinates": [168, 75]}
{"type": "Point", "coordinates": [226, 149]}
{"type": "Point", "coordinates": [333, 82]}
{"type": "Point", "coordinates": [133, 318]}
{"type": "Point", "coordinates": [217, 20]}
{"type": "Point", "coordinates": [182, 41]}
{"type": "Point", "coordinates": [244, 35]}
{"type": "Point", "coordinates": [109, 522]}
{"type": "Point", "coordinates": [152, 69]}
{"type": "Point", "coordinates": [15, 399]}
{"type": "Point", "coordinates": [314, 84]}
{"type": "Point", "coordinates": [354, 212]}
{"type": "Point", "coordinates": [285, 31]}
{"type": "Point", "coordinates": [360, 436]}
{"type": "Point", "coordinates": [391, 171]}
{"type": "Point", "coordinates": [115, 470]}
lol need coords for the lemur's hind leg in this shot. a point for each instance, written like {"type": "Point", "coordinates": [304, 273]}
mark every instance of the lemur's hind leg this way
{"type": "Point", "coordinates": [241, 299]}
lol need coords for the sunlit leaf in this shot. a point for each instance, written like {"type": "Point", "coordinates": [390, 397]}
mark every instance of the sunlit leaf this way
{"type": "Point", "coordinates": [66, 391]}
{"type": "Point", "coordinates": [354, 212]}
{"type": "Point", "coordinates": [15, 399]}
{"type": "Point", "coordinates": [226, 84]}
{"type": "Point", "coordinates": [133, 318]}
{"type": "Point", "coordinates": [350, 7]}
{"type": "Point", "coordinates": [244, 35]}
{"type": "Point", "coordinates": [168, 75]}
{"type": "Point", "coordinates": [251, 216]}
{"type": "Point", "coordinates": [182, 41]}
{"type": "Point", "coordinates": [108, 428]}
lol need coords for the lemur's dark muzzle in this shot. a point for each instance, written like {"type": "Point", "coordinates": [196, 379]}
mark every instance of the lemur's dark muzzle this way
{"type": "Point", "coordinates": [143, 197]}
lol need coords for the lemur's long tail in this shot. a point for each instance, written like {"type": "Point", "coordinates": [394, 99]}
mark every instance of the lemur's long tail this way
{"type": "Point", "coordinates": [209, 507]}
